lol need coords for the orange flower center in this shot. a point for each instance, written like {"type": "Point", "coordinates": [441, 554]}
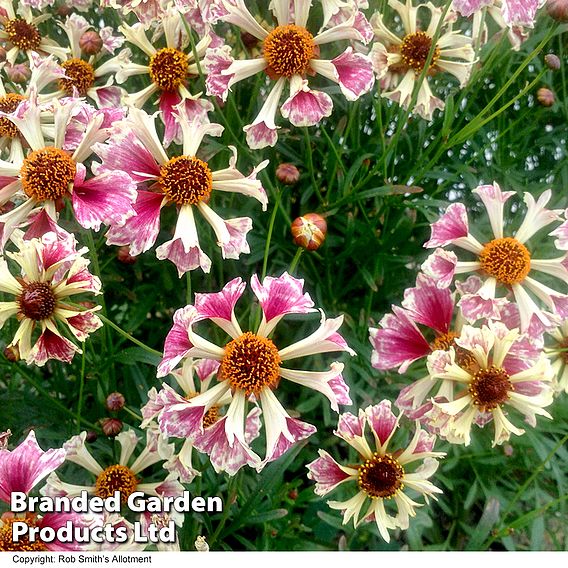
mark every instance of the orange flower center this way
{"type": "Point", "coordinates": [9, 104]}
{"type": "Point", "coordinates": [47, 173]}
{"type": "Point", "coordinates": [80, 75]}
{"type": "Point", "coordinates": [506, 259]}
{"type": "Point", "coordinates": [211, 416]}
{"type": "Point", "coordinates": [414, 51]}
{"type": "Point", "coordinates": [24, 544]}
{"type": "Point", "coordinates": [37, 301]}
{"type": "Point", "coordinates": [168, 68]}
{"type": "Point", "coordinates": [116, 478]}
{"type": "Point", "coordinates": [22, 34]}
{"type": "Point", "coordinates": [490, 388]}
{"type": "Point", "coordinates": [186, 180]}
{"type": "Point", "coordinates": [444, 341]}
{"type": "Point", "coordinates": [288, 50]}
{"type": "Point", "coordinates": [251, 363]}
{"type": "Point", "coordinates": [380, 476]}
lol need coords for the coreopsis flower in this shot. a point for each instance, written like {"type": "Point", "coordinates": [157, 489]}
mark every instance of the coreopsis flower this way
{"type": "Point", "coordinates": [52, 272]}
{"type": "Point", "coordinates": [380, 476]}
{"type": "Point", "coordinates": [488, 384]}
{"type": "Point", "coordinates": [557, 352]}
{"type": "Point", "coordinates": [503, 262]}
{"type": "Point", "coordinates": [48, 172]}
{"type": "Point", "coordinates": [171, 410]}
{"type": "Point", "coordinates": [398, 60]}
{"type": "Point", "coordinates": [83, 74]}
{"type": "Point", "coordinates": [169, 69]}
{"type": "Point", "coordinates": [20, 32]}
{"type": "Point", "coordinates": [251, 364]}
{"type": "Point", "coordinates": [124, 476]}
{"type": "Point", "coordinates": [290, 56]}
{"type": "Point", "coordinates": [182, 181]}
{"type": "Point", "coordinates": [147, 11]}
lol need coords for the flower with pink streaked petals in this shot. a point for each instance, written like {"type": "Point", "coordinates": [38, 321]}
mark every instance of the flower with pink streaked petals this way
{"type": "Point", "coordinates": [250, 363]}
{"type": "Point", "coordinates": [176, 417]}
{"type": "Point", "coordinates": [491, 381]}
{"type": "Point", "coordinates": [20, 33]}
{"type": "Point", "coordinates": [557, 352]}
{"type": "Point", "coordinates": [290, 56]}
{"type": "Point", "coordinates": [147, 11]}
{"type": "Point", "coordinates": [123, 476]}
{"type": "Point", "coordinates": [398, 60]}
{"type": "Point", "coordinates": [183, 181]}
{"type": "Point", "coordinates": [51, 169]}
{"type": "Point", "coordinates": [52, 271]}
{"type": "Point", "coordinates": [22, 468]}
{"type": "Point", "coordinates": [169, 69]}
{"type": "Point", "coordinates": [502, 262]}
{"type": "Point", "coordinates": [380, 475]}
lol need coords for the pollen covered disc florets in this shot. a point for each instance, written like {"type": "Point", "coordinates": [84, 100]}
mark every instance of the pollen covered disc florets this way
{"type": "Point", "coordinates": [22, 34]}
{"type": "Point", "coordinates": [168, 68]}
{"type": "Point", "coordinates": [251, 363]}
{"type": "Point", "coordinates": [9, 104]}
{"type": "Point", "coordinates": [116, 478]}
{"type": "Point", "coordinates": [37, 301]}
{"type": "Point", "coordinates": [47, 173]}
{"type": "Point", "coordinates": [380, 476]}
{"type": "Point", "coordinates": [414, 51]}
{"type": "Point", "coordinates": [186, 180]}
{"type": "Point", "coordinates": [490, 388]}
{"type": "Point", "coordinates": [24, 543]}
{"type": "Point", "coordinates": [444, 341]}
{"type": "Point", "coordinates": [80, 75]}
{"type": "Point", "coordinates": [506, 259]}
{"type": "Point", "coordinates": [288, 50]}
{"type": "Point", "coordinates": [211, 416]}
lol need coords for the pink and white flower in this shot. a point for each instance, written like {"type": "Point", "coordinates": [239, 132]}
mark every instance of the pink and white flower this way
{"type": "Point", "coordinates": [557, 352]}
{"type": "Point", "coordinates": [380, 475]}
{"type": "Point", "coordinates": [502, 262]}
{"type": "Point", "coordinates": [488, 383]}
{"type": "Point", "coordinates": [184, 181]}
{"type": "Point", "coordinates": [290, 55]}
{"type": "Point", "coordinates": [250, 363]}
{"type": "Point", "coordinates": [398, 60]}
{"type": "Point", "coordinates": [52, 272]}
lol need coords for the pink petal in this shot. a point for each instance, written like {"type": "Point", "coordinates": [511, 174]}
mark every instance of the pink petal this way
{"type": "Point", "coordinates": [452, 225]}
{"type": "Point", "coordinates": [327, 474]}
{"type": "Point", "coordinates": [237, 245]}
{"type": "Point", "coordinates": [185, 261]}
{"type": "Point", "coordinates": [468, 7]}
{"type": "Point", "coordinates": [281, 296]}
{"type": "Point", "coordinates": [441, 266]}
{"type": "Point", "coordinates": [26, 465]}
{"type": "Point", "coordinates": [215, 62]}
{"type": "Point", "coordinates": [562, 233]}
{"type": "Point", "coordinates": [56, 521]}
{"type": "Point", "coordinates": [354, 73]}
{"type": "Point", "coordinates": [340, 390]}
{"type": "Point", "coordinates": [84, 324]}
{"type": "Point", "coordinates": [51, 346]}
{"type": "Point", "coordinates": [307, 107]}
{"type": "Point", "coordinates": [252, 425]}
{"type": "Point", "coordinates": [382, 420]}
{"type": "Point", "coordinates": [109, 96]}
{"type": "Point", "coordinates": [182, 420]}
{"type": "Point", "coordinates": [520, 12]}
{"type": "Point", "coordinates": [476, 307]}
{"type": "Point", "coordinates": [260, 135]}
{"type": "Point", "coordinates": [299, 431]}
{"type": "Point", "coordinates": [220, 304]}
{"type": "Point", "coordinates": [349, 426]}
{"type": "Point", "coordinates": [206, 368]}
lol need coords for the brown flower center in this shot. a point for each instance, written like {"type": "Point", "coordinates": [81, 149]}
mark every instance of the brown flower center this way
{"type": "Point", "coordinates": [380, 476]}
{"type": "Point", "coordinates": [563, 353]}
{"type": "Point", "coordinates": [414, 51]}
{"type": "Point", "coordinates": [490, 388]}
{"type": "Point", "coordinates": [116, 478]}
{"type": "Point", "coordinates": [9, 104]}
{"type": "Point", "coordinates": [288, 50]}
{"type": "Point", "coordinates": [168, 68]}
{"type": "Point", "coordinates": [506, 259]}
{"type": "Point", "coordinates": [251, 363]}
{"type": "Point", "coordinates": [47, 173]}
{"type": "Point", "coordinates": [444, 341]}
{"type": "Point", "coordinates": [24, 544]}
{"type": "Point", "coordinates": [80, 75]}
{"type": "Point", "coordinates": [37, 301]}
{"type": "Point", "coordinates": [22, 34]}
{"type": "Point", "coordinates": [186, 180]}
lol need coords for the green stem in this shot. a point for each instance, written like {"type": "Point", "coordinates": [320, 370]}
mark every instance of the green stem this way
{"type": "Point", "coordinates": [231, 494]}
{"type": "Point", "coordinates": [129, 337]}
{"type": "Point", "coordinates": [188, 290]}
{"type": "Point", "coordinates": [295, 260]}
{"type": "Point", "coordinates": [269, 235]}
{"type": "Point", "coordinates": [133, 414]}
{"type": "Point", "coordinates": [81, 387]}
{"type": "Point", "coordinates": [310, 158]}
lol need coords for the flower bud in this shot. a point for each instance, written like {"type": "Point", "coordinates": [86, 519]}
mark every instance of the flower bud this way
{"type": "Point", "coordinates": [552, 61]}
{"type": "Point", "coordinates": [558, 10]}
{"type": "Point", "coordinates": [111, 426]}
{"type": "Point", "coordinates": [123, 255]}
{"type": "Point", "coordinates": [309, 231]}
{"type": "Point", "coordinates": [19, 73]}
{"type": "Point", "coordinates": [249, 41]}
{"type": "Point", "coordinates": [201, 544]}
{"type": "Point", "coordinates": [288, 174]}
{"type": "Point", "coordinates": [91, 43]}
{"type": "Point", "coordinates": [12, 353]}
{"type": "Point", "coordinates": [115, 401]}
{"type": "Point", "coordinates": [545, 97]}
{"type": "Point", "coordinates": [293, 494]}
{"type": "Point", "coordinates": [91, 436]}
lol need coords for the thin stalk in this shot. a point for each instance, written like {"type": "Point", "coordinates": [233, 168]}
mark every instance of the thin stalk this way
{"type": "Point", "coordinates": [81, 387]}
{"type": "Point", "coordinates": [129, 337]}
{"type": "Point", "coordinates": [295, 260]}
{"type": "Point", "coordinates": [310, 158]}
{"type": "Point", "coordinates": [269, 235]}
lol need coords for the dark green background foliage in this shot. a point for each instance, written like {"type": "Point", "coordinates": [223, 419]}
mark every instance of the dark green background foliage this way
{"type": "Point", "coordinates": [353, 168]}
